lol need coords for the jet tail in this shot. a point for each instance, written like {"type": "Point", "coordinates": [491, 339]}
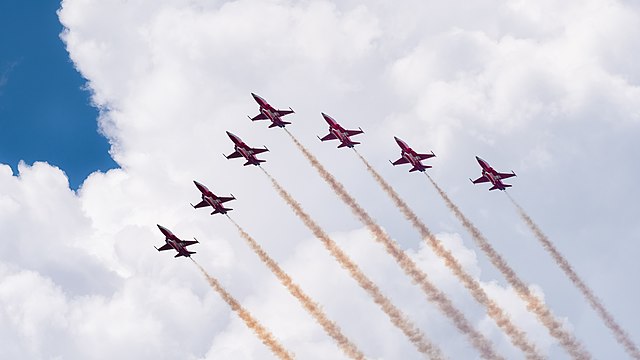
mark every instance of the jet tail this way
{"type": "Point", "coordinates": [418, 169]}
{"type": "Point", "coordinates": [353, 143]}
{"type": "Point", "coordinates": [251, 163]}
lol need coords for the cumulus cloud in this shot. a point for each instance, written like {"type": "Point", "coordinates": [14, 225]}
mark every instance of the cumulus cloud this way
{"type": "Point", "coordinates": [546, 88]}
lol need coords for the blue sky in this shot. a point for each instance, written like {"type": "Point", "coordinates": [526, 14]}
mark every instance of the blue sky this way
{"type": "Point", "coordinates": [45, 115]}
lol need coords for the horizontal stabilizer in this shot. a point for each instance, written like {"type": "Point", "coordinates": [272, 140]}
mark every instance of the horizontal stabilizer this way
{"type": "Point", "coordinates": [420, 169]}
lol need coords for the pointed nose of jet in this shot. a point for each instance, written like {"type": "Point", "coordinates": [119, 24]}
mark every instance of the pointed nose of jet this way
{"type": "Point", "coordinates": [200, 187]}
{"type": "Point", "coordinates": [163, 229]}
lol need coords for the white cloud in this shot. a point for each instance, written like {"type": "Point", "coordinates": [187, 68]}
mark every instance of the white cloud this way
{"type": "Point", "coordinates": [552, 84]}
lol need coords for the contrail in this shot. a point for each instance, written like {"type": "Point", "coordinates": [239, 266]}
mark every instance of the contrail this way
{"type": "Point", "coordinates": [621, 336]}
{"type": "Point", "coordinates": [263, 334]}
{"type": "Point", "coordinates": [399, 319]}
{"type": "Point", "coordinates": [330, 327]}
{"type": "Point", "coordinates": [517, 336]}
{"type": "Point", "coordinates": [568, 341]}
{"type": "Point", "coordinates": [479, 341]}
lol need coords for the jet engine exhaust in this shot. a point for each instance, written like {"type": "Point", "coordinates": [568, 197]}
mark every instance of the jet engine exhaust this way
{"type": "Point", "coordinates": [330, 327]}
{"type": "Point", "coordinates": [555, 328]}
{"type": "Point", "coordinates": [263, 334]}
{"type": "Point", "coordinates": [621, 336]}
{"type": "Point", "coordinates": [517, 336]}
{"type": "Point", "coordinates": [397, 318]}
{"type": "Point", "coordinates": [479, 341]}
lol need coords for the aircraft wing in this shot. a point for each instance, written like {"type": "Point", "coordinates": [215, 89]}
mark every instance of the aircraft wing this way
{"type": "Point", "coordinates": [234, 154]}
{"type": "Point", "coordinates": [187, 243]}
{"type": "Point", "coordinates": [328, 137]}
{"type": "Point", "coordinates": [481, 179]}
{"type": "Point", "coordinates": [402, 160]}
{"type": "Point", "coordinates": [425, 156]}
{"type": "Point", "coordinates": [505, 175]}
{"type": "Point", "coordinates": [200, 204]}
{"type": "Point", "coordinates": [258, 151]}
{"type": "Point", "coordinates": [284, 112]}
{"type": "Point", "coordinates": [225, 199]}
{"type": "Point", "coordinates": [353, 132]}
{"type": "Point", "coordinates": [260, 116]}
{"type": "Point", "coordinates": [164, 247]}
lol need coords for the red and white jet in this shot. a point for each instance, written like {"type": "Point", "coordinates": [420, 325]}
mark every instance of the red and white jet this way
{"type": "Point", "coordinates": [409, 156]}
{"type": "Point", "coordinates": [338, 132]}
{"type": "Point", "coordinates": [268, 112]}
{"type": "Point", "coordinates": [243, 150]}
{"type": "Point", "coordinates": [173, 242]}
{"type": "Point", "coordinates": [489, 174]}
{"type": "Point", "coordinates": [210, 199]}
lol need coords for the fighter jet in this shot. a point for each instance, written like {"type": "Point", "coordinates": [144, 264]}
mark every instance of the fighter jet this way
{"type": "Point", "coordinates": [489, 174]}
{"type": "Point", "coordinates": [408, 155]}
{"type": "Point", "coordinates": [243, 150]}
{"type": "Point", "coordinates": [338, 132]}
{"type": "Point", "coordinates": [173, 242]}
{"type": "Point", "coordinates": [210, 199]}
{"type": "Point", "coordinates": [268, 112]}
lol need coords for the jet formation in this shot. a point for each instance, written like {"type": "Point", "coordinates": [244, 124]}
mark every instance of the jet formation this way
{"type": "Point", "coordinates": [336, 132]}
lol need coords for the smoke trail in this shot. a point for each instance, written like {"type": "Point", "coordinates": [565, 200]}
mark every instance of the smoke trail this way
{"type": "Point", "coordinates": [568, 341]}
{"type": "Point", "coordinates": [410, 268]}
{"type": "Point", "coordinates": [312, 307]}
{"type": "Point", "coordinates": [263, 334]}
{"type": "Point", "coordinates": [621, 336]}
{"type": "Point", "coordinates": [518, 338]}
{"type": "Point", "coordinates": [397, 318]}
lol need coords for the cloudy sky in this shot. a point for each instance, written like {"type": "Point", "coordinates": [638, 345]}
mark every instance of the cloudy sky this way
{"type": "Point", "coordinates": [101, 142]}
